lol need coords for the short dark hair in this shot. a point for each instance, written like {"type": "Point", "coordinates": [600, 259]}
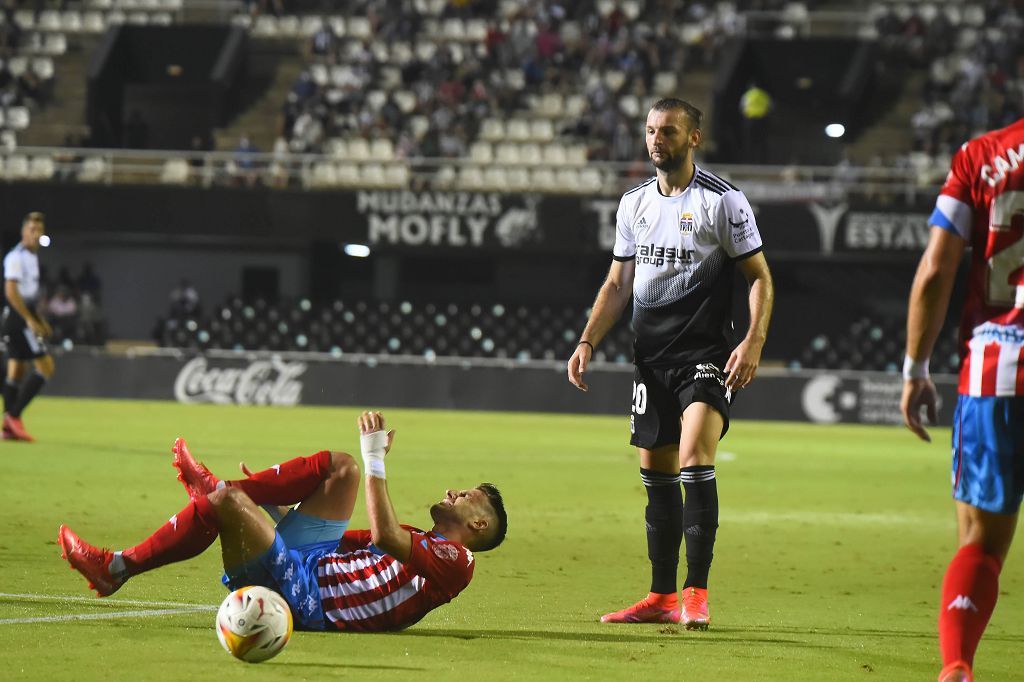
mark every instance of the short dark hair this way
{"type": "Point", "coordinates": [498, 504]}
{"type": "Point", "coordinates": [34, 215]}
{"type": "Point", "coordinates": [675, 104]}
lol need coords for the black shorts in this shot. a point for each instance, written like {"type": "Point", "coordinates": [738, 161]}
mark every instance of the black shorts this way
{"type": "Point", "coordinates": [661, 395]}
{"type": "Point", "coordinates": [21, 343]}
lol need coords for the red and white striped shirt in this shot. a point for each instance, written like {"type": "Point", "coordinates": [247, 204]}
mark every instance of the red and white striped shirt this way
{"type": "Point", "coordinates": [983, 202]}
{"type": "Point", "coordinates": [364, 590]}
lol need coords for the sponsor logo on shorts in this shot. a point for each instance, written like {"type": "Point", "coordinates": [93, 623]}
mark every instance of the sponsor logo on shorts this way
{"type": "Point", "coordinates": [709, 372]}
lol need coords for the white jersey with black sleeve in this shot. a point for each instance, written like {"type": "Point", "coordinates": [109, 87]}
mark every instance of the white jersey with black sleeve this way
{"type": "Point", "coordinates": [685, 248]}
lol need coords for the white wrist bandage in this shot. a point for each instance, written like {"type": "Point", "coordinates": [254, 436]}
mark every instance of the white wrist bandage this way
{"type": "Point", "coordinates": [373, 445]}
{"type": "Point", "coordinates": [915, 369]}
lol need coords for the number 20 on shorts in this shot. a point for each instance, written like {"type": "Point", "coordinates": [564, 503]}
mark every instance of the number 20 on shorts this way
{"type": "Point", "coordinates": [639, 403]}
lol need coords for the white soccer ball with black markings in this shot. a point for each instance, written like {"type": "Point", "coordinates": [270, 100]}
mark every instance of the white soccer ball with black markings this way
{"type": "Point", "coordinates": [254, 624]}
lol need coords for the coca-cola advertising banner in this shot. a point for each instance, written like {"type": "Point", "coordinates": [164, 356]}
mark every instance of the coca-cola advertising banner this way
{"type": "Point", "coordinates": [455, 222]}
{"type": "Point", "coordinates": [252, 379]}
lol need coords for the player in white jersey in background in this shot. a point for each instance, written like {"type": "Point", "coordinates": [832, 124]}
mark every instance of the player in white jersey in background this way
{"type": "Point", "coordinates": [24, 328]}
{"type": "Point", "coordinates": [680, 236]}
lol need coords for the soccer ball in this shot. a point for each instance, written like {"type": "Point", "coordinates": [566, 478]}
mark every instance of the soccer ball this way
{"type": "Point", "coordinates": [254, 624]}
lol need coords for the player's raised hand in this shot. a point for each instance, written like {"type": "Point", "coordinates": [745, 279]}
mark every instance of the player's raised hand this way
{"type": "Point", "coordinates": [578, 365]}
{"type": "Point", "coordinates": [918, 393]}
{"type": "Point", "coordinates": [742, 365]}
{"type": "Point", "coordinates": [370, 422]}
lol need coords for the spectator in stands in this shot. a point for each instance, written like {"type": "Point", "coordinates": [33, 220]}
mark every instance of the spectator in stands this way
{"type": "Point", "coordinates": [62, 311]}
{"type": "Point", "coordinates": [184, 299]}
{"type": "Point", "coordinates": [88, 282]}
{"type": "Point", "coordinates": [247, 167]}
{"type": "Point", "coordinates": [324, 44]}
{"type": "Point", "coordinates": [90, 322]}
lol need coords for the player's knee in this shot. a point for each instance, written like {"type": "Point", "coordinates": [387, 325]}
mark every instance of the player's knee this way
{"type": "Point", "coordinates": [228, 497]}
{"type": "Point", "coordinates": [344, 466]}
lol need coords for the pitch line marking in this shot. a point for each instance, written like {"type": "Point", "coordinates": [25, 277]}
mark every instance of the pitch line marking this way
{"type": "Point", "coordinates": [104, 616]}
{"type": "Point", "coordinates": [101, 600]}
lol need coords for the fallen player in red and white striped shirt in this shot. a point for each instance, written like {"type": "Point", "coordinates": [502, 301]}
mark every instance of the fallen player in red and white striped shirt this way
{"type": "Point", "coordinates": [384, 578]}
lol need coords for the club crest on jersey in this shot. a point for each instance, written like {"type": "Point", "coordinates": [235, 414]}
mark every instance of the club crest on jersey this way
{"type": "Point", "coordinates": [686, 223]}
{"type": "Point", "coordinates": [446, 552]}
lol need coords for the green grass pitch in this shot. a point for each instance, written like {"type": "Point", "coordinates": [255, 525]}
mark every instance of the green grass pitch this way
{"type": "Point", "coordinates": [832, 543]}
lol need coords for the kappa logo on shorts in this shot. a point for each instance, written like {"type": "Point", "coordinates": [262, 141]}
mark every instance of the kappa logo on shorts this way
{"type": "Point", "coordinates": [446, 552]}
{"type": "Point", "coordinates": [707, 371]}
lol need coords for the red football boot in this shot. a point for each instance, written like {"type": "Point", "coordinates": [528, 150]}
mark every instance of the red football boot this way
{"type": "Point", "coordinates": [196, 478]}
{"type": "Point", "coordinates": [16, 428]}
{"type": "Point", "coordinates": [93, 563]}
{"type": "Point", "coordinates": [696, 615]}
{"type": "Point", "coordinates": [654, 608]}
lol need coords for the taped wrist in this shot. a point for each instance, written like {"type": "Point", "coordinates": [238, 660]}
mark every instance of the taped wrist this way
{"type": "Point", "coordinates": [915, 369]}
{"type": "Point", "coordinates": [372, 446]}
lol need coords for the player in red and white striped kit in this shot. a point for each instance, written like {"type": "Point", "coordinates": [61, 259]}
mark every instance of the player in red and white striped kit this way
{"type": "Point", "coordinates": [384, 578]}
{"type": "Point", "coordinates": [981, 205]}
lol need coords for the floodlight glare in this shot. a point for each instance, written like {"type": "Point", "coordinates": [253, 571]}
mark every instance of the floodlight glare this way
{"type": "Point", "coordinates": [357, 250]}
{"type": "Point", "coordinates": [835, 130]}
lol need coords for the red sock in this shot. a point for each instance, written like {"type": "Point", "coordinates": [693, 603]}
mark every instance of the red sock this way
{"type": "Point", "coordinates": [186, 535]}
{"type": "Point", "coordinates": [969, 593]}
{"type": "Point", "coordinates": [287, 483]}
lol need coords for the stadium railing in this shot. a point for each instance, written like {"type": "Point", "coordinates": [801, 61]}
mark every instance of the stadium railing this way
{"type": "Point", "coordinates": [322, 171]}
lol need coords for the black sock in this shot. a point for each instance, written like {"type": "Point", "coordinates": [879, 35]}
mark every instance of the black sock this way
{"type": "Point", "coordinates": [664, 517]}
{"type": "Point", "coordinates": [700, 522]}
{"type": "Point", "coordinates": [32, 386]}
{"type": "Point", "coordinates": [10, 394]}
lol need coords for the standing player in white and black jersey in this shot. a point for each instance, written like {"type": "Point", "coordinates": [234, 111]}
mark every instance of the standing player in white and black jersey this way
{"type": "Point", "coordinates": [679, 238]}
{"type": "Point", "coordinates": [24, 328]}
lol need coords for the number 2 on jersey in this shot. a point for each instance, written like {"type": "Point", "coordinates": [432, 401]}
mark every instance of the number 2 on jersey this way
{"type": "Point", "coordinates": [1003, 263]}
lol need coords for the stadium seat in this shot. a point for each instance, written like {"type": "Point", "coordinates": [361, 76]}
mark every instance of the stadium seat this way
{"type": "Point", "coordinates": [542, 130]}
{"type": "Point", "coordinates": [495, 179]}
{"type": "Point", "coordinates": [41, 168]}
{"type": "Point", "coordinates": [359, 149]}
{"type": "Point", "coordinates": [590, 180]}
{"type": "Point", "coordinates": [17, 65]}
{"type": "Point", "coordinates": [492, 130]}
{"type": "Point", "coordinates": [665, 83]}
{"type": "Point", "coordinates": [348, 174]}
{"type": "Point", "coordinates": [16, 167]}
{"type": "Point", "coordinates": [324, 174]}
{"type": "Point", "coordinates": [568, 180]}
{"type": "Point", "coordinates": [554, 155]}
{"type": "Point", "coordinates": [445, 178]}
{"type": "Point", "coordinates": [507, 152]}
{"type": "Point", "coordinates": [517, 130]}
{"type": "Point", "coordinates": [17, 118]}
{"type": "Point", "coordinates": [382, 150]}
{"type": "Point", "coordinates": [543, 179]}
{"type": "Point", "coordinates": [470, 178]}
{"type": "Point", "coordinates": [289, 26]}
{"type": "Point", "coordinates": [519, 179]}
{"type": "Point", "coordinates": [71, 21]}
{"type": "Point", "coordinates": [175, 171]}
{"type": "Point", "coordinates": [530, 154]}
{"type": "Point", "coordinates": [576, 155]}
{"type": "Point", "coordinates": [49, 20]}
{"type": "Point", "coordinates": [56, 44]}
{"type": "Point", "coordinates": [43, 67]}
{"type": "Point", "coordinates": [575, 105]}
{"type": "Point", "coordinates": [336, 148]}
{"type": "Point", "coordinates": [94, 169]}
{"type": "Point", "coordinates": [481, 152]}
{"type": "Point", "coordinates": [372, 175]}
{"type": "Point", "coordinates": [359, 28]}
{"type": "Point", "coordinates": [94, 22]}
{"type": "Point", "coordinates": [396, 175]}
